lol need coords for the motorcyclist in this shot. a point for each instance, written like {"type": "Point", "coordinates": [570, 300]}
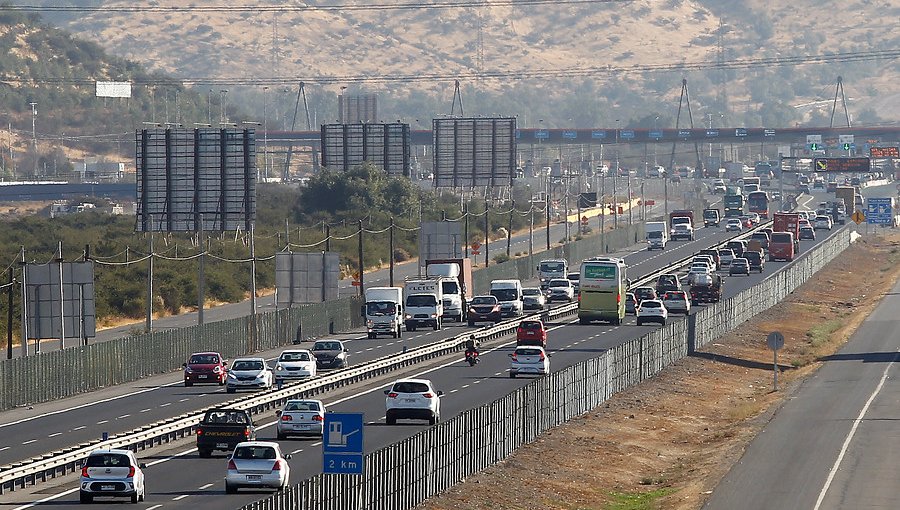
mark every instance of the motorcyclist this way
{"type": "Point", "coordinates": [471, 347]}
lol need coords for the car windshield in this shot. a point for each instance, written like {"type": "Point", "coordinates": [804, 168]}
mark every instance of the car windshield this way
{"type": "Point", "coordinates": [531, 325]}
{"type": "Point", "coordinates": [726, 253]}
{"type": "Point", "coordinates": [381, 308]}
{"type": "Point", "coordinates": [421, 300]}
{"type": "Point", "coordinates": [326, 346]}
{"type": "Point", "coordinates": [294, 356]}
{"type": "Point", "coordinates": [301, 405]}
{"type": "Point", "coordinates": [559, 283]}
{"type": "Point", "coordinates": [248, 365]}
{"type": "Point", "coordinates": [410, 387]}
{"type": "Point", "coordinates": [484, 300]}
{"type": "Point", "coordinates": [204, 359]}
{"type": "Point", "coordinates": [255, 452]}
{"type": "Point", "coordinates": [505, 294]}
{"type": "Point", "coordinates": [107, 460]}
{"type": "Point", "coordinates": [531, 292]}
{"type": "Point", "coordinates": [553, 266]}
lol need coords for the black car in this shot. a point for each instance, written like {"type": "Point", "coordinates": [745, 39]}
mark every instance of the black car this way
{"type": "Point", "coordinates": [807, 233]}
{"type": "Point", "coordinates": [331, 354]}
{"type": "Point", "coordinates": [483, 309]}
{"type": "Point", "coordinates": [739, 266]}
{"type": "Point", "coordinates": [642, 293]}
{"type": "Point", "coordinates": [756, 260]}
{"type": "Point", "coordinates": [737, 247]}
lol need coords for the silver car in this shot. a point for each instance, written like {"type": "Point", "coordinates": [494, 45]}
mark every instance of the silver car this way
{"type": "Point", "coordinates": [112, 473]}
{"type": "Point", "coordinates": [300, 418]}
{"type": "Point", "coordinates": [257, 464]}
{"type": "Point", "coordinates": [529, 360]}
{"type": "Point", "coordinates": [248, 373]}
{"type": "Point", "coordinates": [533, 298]}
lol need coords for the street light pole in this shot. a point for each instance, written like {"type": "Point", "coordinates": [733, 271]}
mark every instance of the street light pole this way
{"type": "Point", "coordinates": [266, 132]}
{"type": "Point", "coordinates": [34, 138]}
{"type": "Point", "coordinates": [615, 182]}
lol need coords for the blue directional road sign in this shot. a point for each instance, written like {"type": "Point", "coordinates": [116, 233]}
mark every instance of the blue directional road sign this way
{"type": "Point", "coordinates": [626, 134]}
{"type": "Point", "coordinates": [655, 134]}
{"type": "Point", "coordinates": [879, 211]}
{"type": "Point", "coordinates": [570, 135]}
{"type": "Point", "coordinates": [342, 444]}
{"type": "Point", "coordinates": [542, 134]}
{"type": "Point", "coordinates": [601, 135]}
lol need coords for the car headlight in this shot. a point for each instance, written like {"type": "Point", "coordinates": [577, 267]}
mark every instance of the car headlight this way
{"type": "Point", "coordinates": [278, 368]}
{"type": "Point", "coordinates": [231, 375]}
{"type": "Point", "coordinates": [261, 375]}
{"type": "Point", "coordinates": [217, 370]}
{"type": "Point", "coordinates": [408, 316]}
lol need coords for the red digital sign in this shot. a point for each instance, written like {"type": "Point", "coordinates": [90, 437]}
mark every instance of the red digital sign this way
{"type": "Point", "coordinates": [843, 165]}
{"type": "Point", "coordinates": [884, 152]}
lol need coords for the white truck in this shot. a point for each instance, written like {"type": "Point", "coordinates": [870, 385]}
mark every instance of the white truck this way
{"type": "Point", "coordinates": [509, 294]}
{"type": "Point", "coordinates": [550, 269]}
{"type": "Point", "coordinates": [657, 235]}
{"type": "Point", "coordinates": [456, 276]}
{"type": "Point", "coordinates": [383, 311]}
{"type": "Point", "coordinates": [424, 303]}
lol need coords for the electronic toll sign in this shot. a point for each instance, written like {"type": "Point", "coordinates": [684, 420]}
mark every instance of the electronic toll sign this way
{"type": "Point", "coordinates": [884, 152]}
{"type": "Point", "coordinates": [841, 165]}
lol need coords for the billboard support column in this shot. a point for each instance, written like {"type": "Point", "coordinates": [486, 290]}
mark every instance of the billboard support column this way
{"type": "Point", "coordinates": [361, 267]}
{"type": "Point", "coordinates": [62, 299]}
{"type": "Point", "coordinates": [547, 211]}
{"type": "Point", "coordinates": [149, 321]}
{"type": "Point", "coordinates": [531, 231]}
{"type": "Point", "coordinates": [466, 230]}
{"type": "Point", "coordinates": [201, 279]}
{"type": "Point", "coordinates": [24, 313]}
{"type": "Point", "coordinates": [487, 233]}
{"type": "Point", "coordinates": [509, 230]}
{"type": "Point", "coordinates": [9, 316]}
{"type": "Point", "coordinates": [391, 254]}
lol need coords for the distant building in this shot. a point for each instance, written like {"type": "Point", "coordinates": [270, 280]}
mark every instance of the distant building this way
{"type": "Point", "coordinates": [93, 170]}
{"type": "Point", "coordinates": [63, 208]}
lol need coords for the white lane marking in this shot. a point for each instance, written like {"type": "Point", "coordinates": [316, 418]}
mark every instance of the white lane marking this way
{"type": "Point", "coordinates": [465, 386]}
{"type": "Point", "coordinates": [476, 382]}
{"type": "Point", "coordinates": [179, 498]}
{"type": "Point", "coordinates": [31, 441]}
{"type": "Point", "coordinates": [166, 404]}
{"type": "Point", "coordinates": [123, 416]}
{"type": "Point", "coordinates": [316, 444]}
{"type": "Point", "coordinates": [207, 486]}
{"type": "Point", "coordinates": [144, 410]}
{"type": "Point", "coordinates": [295, 452]}
{"type": "Point", "coordinates": [846, 445]}
{"type": "Point", "coordinates": [454, 390]}
{"type": "Point", "coordinates": [101, 422]}
{"type": "Point", "coordinates": [55, 434]}
{"type": "Point", "coordinates": [154, 507]}
{"type": "Point", "coordinates": [79, 428]}
{"type": "Point", "coordinates": [184, 400]}
{"type": "Point", "coordinates": [23, 420]}
{"type": "Point", "coordinates": [4, 448]}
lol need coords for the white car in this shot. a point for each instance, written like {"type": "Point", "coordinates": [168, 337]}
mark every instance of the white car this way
{"type": "Point", "coordinates": [652, 310]}
{"type": "Point", "coordinates": [113, 473]}
{"type": "Point", "coordinates": [711, 262]}
{"type": "Point", "coordinates": [733, 225]}
{"type": "Point", "coordinates": [414, 399]}
{"type": "Point", "coordinates": [300, 418]}
{"type": "Point", "coordinates": [560, 289]}
{"type": "Point", "coordinates": [697, 269]}
{"type": "Point", "coordinates": [529, 360]}
{"type": "Point", "coordinates": [754, 218]}
{"type": "Point", "coordinates": [676, 301]}
{"type": "Point", "coordinates": [719, 186]}
{"type": "Point", "coordinates": [248, 373]}
{"type": "Point", "coordinates": [726, 256]}
{"type": "Point", "coordinates": [295, 364]}
{"type": "Point", "coordinates": [823, 222]}
{"type": "Point", "coordinates": [257, 464]}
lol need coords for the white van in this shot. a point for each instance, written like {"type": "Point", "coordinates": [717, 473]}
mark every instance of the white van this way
{"type": "Point", "coordinates": [509, 294]}
{"type": "Point", "coordinates": [657, 235]}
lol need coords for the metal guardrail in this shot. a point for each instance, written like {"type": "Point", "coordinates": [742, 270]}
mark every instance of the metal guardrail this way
{"type": "Point", "coordinates": [68, 460]}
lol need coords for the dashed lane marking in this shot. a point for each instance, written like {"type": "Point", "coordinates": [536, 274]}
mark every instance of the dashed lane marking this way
{"type": "Point", "coordinates": [179, 498]}
{"type": "Point", "coordinates": [207, 486]}
{"type": "Point", "coordinates": [55, 434]}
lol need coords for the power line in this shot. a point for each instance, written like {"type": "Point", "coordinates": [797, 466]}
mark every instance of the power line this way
{"type": "Point", "coordinates": [299, 8]}
{"type": "Point", "coordinates": [578, 71]}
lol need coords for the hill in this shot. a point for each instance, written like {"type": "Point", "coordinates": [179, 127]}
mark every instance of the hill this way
{"type": "Point", "coordinates": [615, 41]}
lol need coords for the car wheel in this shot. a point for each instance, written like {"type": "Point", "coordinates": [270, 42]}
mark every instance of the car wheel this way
{"type": "Point", "coordinates": [85, 498]}
{"type": "Point", "coordinates": [512, 375]}
{"type": "Point", "coordinates": [640, 323]}
{"type": "Point", "coordinates": [143, 496]}
{"type": "Point", "coordinates": [411, 328]}
{"type": "Point", "coordinates": [230, 489]}
{"type": "Point", "coordinates": [230, 390]}
{"type": "Point", "coordinates": [390, 420]}
{"type": "Point", "coordinates": [471, 324]}
{"type": "Point", "coordinates": [395, 334]}
{"type": "Point", "coordinates": [188, 384]}
{"type": "Point", "coordinates": [437, 325]}
{"type": "Point", "coordinates": [433, 419]}
{"type": "Point", "coordinates": [204, 454]}
{"type": "Point", "coordinates": [279, 435]}
{"type": "Point", "coordinates": [222, 382]}
{"type": "Point", "coordinates": [583, 321]}
{"type": "Point", "coordinates": [134, 498]}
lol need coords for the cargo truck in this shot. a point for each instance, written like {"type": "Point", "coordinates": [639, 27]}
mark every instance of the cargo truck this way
{"type": "Point", "coordinates": [383, 311]}
{"type": "Point", "coordinates": [550, 269]}
{"type": "Point", "coordinates": [424, 303]}
{"type": "Point", "coordinates": [711, 217]}
{"type": "Point", "coordinates": [457, 284]}
{"type": "Point", "coordinates": [848, 195]}
{"type": "Point", "coordinates": [782, 246]}
{"type": "Point", "coordinates": [657, 235]}
{"type": "Point", "coordinates": [733, 203]}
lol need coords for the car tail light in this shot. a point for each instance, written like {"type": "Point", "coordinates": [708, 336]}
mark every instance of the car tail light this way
{"type": "Point", "coordinates": [515, 357]}
{"type": "Point", "coordinates": [130, 471]}
{"type": "Point", "coordinates": [199, 431]}
{"type": "Point", "coordinates": [520, 330]}
{"type": "Point", "coordinates": [231, 465]}
{"type": "Point", "coordinates": [286, 417]}
{"type": "Point", "coordinates": [392, 395]}
{"type": "Point", "coordinates": [579, 297]}
{"type": "Point", "coordinates": [542, 356]}
{"type": "Point", "coordinates": [84, 472]}
{"type": "Point", "coordinates": [318, 418]}
{"type": "Point", "coordinates": [618, 298]}
{"type": "Point", "coordinates": [246, 431]}
{"type": "Point", "coordinates": [427, 395]}
{"type": "Point", "coordinates": [276, 466]}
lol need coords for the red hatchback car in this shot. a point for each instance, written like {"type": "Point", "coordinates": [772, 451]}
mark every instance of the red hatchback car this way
{"type": "Point", "coordinates": [205, 367]}
{"type": "Point", "coordinates": [531, 332]}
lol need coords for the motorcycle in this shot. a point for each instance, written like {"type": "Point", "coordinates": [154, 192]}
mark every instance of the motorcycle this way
{"type": "Point", "coordinates": [472, 357]}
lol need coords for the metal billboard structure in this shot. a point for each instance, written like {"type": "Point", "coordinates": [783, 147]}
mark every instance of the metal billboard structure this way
{"type": "Point", "coordinates": [355, 109]}
{"type": "Point", "coordinates": [306, 277]}
{"type": "Point", "coordinates": [474, 151]}
{"type": "Point", "coordinates": [59, 301]}
{"type": "Point", "coordinates": [440, 240]}
{"type": "Point", "coordinates": [185, 176]}
{"type": "Point", "coordinates": [387, 146]}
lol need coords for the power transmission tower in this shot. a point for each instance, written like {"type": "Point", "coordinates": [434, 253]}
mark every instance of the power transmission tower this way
{"type": "Point", "coordinates": [479, 45]}
{"type": "Point", "coordinates": [722, 91]}
{"type": "Point", "coordinates": [301, 94]}
{"type": "Point", "coordinates": [839, 89]}
{"type": "Point", "coordinates": [457, 96]}
{"type": "Point", "coordinates": [685, 99]}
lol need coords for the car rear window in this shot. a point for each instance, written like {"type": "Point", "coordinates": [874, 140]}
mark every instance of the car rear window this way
{"type": "Point", "coordinates": [531, 292]}
{"type": "Point", "coordinates": [226, 417]}
{"type": "Point", "coordinates": [484, 300]}
{"type": "Point", "coordinates": [531, 325]}
{"type": "Point", "coordinates": [204, 359]}
{"type": "Point", "coordinates": [255, 452]}
{"type": "Point", "coordinates": [326, 346]}
{"type": "Point", "coordinates": [410, 387]}
{"type": "Point", "coordinates": [302, 406]}
{"type": "Point", "coordinates": [528, 352]}
{"type": "Point", "coordinates": [108, 460]}
{"type": "Point", "coordinates": [650, 304]}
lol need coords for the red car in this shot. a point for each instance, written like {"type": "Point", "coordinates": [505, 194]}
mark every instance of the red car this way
{"type": "Point", "coordinates": [531, 332]}
{"type": "Point", "coordinates": [205, 367]}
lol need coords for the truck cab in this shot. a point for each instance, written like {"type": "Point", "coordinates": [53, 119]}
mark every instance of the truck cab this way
{"type": "Point", "coordinates": [657, 235]}
{"type": "Point", "coordinates": [509, 294]}
{"type": "Point", "coordinates": [383, 311]}
{"type": "Point", "coordinates": [456, 277]}
{"type": "Point", "coordinates": [711, 217]}
{"type": "Point", "coordinates": [550, 269]}
{"type": "Point", "coordinates": [424, 303]}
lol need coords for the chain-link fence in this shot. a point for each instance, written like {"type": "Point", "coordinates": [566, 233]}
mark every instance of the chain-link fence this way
{"type": "Point", "coordinates": [402, 475]}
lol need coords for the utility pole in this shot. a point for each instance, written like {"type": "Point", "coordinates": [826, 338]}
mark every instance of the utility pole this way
{"type": "Point", "coordinates": [201, 283]}
{"type": "Point", "coordinates": [615, 183]}
{"type": "Point", "coordinates": [487, 233]}
{"type": "Point", "coordinates": [391, 254]}
{"type": "Point", "coordinates": [149, 321]}
{"type": "Point", "coordinates": [34, 139]}
{"type": "Point", "coordinates": [254, 333]}
{"type": "Point", "coordinates": [361, 267]}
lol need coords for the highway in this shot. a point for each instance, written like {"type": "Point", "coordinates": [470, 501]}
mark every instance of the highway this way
{"type": "Point", "coordinates": [464, 387]}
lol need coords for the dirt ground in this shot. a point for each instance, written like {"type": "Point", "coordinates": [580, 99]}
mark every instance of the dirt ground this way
{"type": "Point", "coordinates": [666, 443]}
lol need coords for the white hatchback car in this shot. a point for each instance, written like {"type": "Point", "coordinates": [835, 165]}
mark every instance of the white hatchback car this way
{"type": "Point", "coordinates": [112, 473]}
{"type": "Point", "coordinates": [414, 399]}
{"type": "Point", "coordinates": [248, 373]}
{"type": "Point", "coordinates": [529, 360]}
{"type": "Point", "coordinates": [560, 289]}
{"type": "Point", "coordinates": [257, 464]}
{"type": "Point", "coordinates": [300, 418]}
{"type": "Point", "coordinates": [733, 225]}
{"type": "Point", "coordinates": [652, 310]}
{"type": "Point", "coordinates": [822, 222]}
{"type": "Point", "coordinates": [295, 364]}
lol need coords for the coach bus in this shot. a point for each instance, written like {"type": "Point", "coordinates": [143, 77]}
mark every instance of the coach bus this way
{"type": "Point", "coordinates": [603, 284]}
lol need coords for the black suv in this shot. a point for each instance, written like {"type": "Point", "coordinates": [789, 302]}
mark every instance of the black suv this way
{"type": "Point", "coordinates": [756, 260]}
